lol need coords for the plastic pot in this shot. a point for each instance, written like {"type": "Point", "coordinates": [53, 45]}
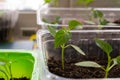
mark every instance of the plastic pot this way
{"type": "Point", "coordinates": [18, 64]}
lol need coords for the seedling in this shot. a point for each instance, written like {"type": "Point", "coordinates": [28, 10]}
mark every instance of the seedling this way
{"type": "Point", "coordinates": [63, 35]}
{"type": "Point", "coordinates": [96, 14]}
{"type": "Point", "coordinates": [107, 48]}
{"type": "Point", "coordinates": [6, 65]}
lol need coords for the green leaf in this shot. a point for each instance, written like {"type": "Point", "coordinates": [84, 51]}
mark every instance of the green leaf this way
{"type": "Point", "coordinates": [97, 14]}
{"type": "Point", "coordinates": [74, 24]}
{"type": "Point", "coordinates": [88, 64]}
{"type": "Point", "coordinates": [103, 21]}
{"type": "Point", "coordinates": [85, 2]}
{"type": "Point", "coordinates": [52, 30]}
{"type": "Point", "coordinates": [61, 37]}
{"type": "Point", "coordinates": [78, 49]}
{"type": "Point", "coordinates": [88, 2]}
{"type": "Point", "coordinates": [48, 1]}
{"type": "Point", "coordinates": [106, 47]}
{"type": "Point", "coordinates": [118, 60]}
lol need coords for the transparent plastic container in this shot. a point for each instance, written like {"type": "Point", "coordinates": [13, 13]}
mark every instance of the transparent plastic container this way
{"type": "Point", "coordinates": [8, 19]}
{"type": "Point", "coordinates": [23, 64]}
{"type": "Point", "coordinates": [57, 17]}
{"type": "Point", "coordinates": [85, 39]}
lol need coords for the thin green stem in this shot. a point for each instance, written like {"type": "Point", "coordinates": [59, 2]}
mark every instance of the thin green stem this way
{"type": "Point", "coordinates": [112, 66]}
{"type": "Point", "coordinates": [10, 72]}
{"type": "Point", "coordinates": [108, 66]}
{"type": "Point", "coordinates": [67, 46]}
{"type": "Point", "coordinates": [63, 62]}
{"type": "Point", "coordinates": [106, 74]}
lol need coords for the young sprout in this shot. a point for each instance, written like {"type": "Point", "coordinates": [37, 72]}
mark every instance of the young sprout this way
{"type": "Point", "coordinates": [62, 37]}
{"type": "Point", "coordinates": [111, 62]}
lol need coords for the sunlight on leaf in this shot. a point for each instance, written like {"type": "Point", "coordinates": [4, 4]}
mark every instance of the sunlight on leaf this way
{"type": "Point", "coordinates": [78, 49]}
{"type": "Point", "coordinates": [88, 64]}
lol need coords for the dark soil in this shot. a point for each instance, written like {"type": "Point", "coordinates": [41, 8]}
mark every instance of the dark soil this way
{"type": "Point", "coordinates": [24, 78]}
{"type": "Point", "coordinates": [93, 53]}
{"type": "Point", "coordinates": [72, 71]}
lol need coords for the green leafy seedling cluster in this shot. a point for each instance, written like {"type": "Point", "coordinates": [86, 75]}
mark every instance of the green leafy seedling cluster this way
{"type": "Point", "coordinates": [97, 14]}
{"type": "Point", "coordinates": [6, 63]}
{"type": "Point", "coordinates": [63, 35]}
{"type": "Point", "coordinates": [111, 62]}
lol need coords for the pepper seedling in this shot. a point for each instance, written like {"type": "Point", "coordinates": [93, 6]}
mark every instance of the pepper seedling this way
{"type": "Point", "coordinates": [111, 62]}
{"type": "Point", "coordinates": [62, 36]}
{"type": "Point", "coordinates": [97, 14]}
